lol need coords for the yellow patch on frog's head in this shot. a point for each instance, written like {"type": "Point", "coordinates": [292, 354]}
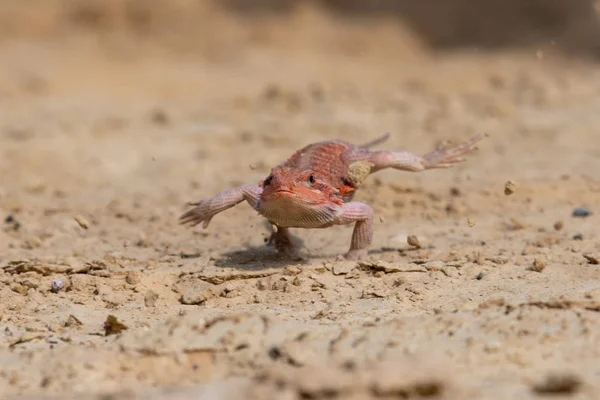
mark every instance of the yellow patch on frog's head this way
{"type": "Point", "coordinates": [358, 172]}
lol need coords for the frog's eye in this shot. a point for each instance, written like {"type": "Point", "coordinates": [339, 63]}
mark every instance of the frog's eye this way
{"type": "Point", "coordinates": [311, 179]}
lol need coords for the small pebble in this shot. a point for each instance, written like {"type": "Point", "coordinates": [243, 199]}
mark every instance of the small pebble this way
{"type": "Point", "coordinates": [159, 117]}
{"type": "Point", "coordinates": [581, 212]}
{"type": "Point", "coordinates": [471, 222]}
{"type": "Point", "coordinates": [82, 222]}
{"type": "Point", "coordinates": [133, 277]}
{"type": "Point", "coordinates": [455, 192]}
{"type": "Point", "coordinates": [413, 241]}
{"type": "Point", "coordinates": [592, 259]}
{"type": "Point", "coordinates": [538, 265]}
{"type": "Point", "coordinates": [56, 286]}
{"type": "Point", "coordinates": [558, 385]}
{"type": "Point", "coordinates": [509, 188]}
{"type": "Point", "coordinates": [150, 298]}
{"type": "Point", "coordinates": [578, 236]}
{"type": "Point", "coordinates": [558, 225]}
{"type": "Point", "coordinates": [9, 219]}
{"type": "Point", "coordinates": [480, 276]}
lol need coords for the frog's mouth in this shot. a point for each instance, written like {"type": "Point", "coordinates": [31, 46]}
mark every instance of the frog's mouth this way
{"type": "Point", "coordinates": [280, 193]}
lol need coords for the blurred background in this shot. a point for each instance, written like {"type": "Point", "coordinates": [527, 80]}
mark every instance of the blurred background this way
{"type": "Point", "coordinates": [454, 25]}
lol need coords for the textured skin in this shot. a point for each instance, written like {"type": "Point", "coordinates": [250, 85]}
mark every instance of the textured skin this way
{"type": "Point", "coordinates": [315, 186]}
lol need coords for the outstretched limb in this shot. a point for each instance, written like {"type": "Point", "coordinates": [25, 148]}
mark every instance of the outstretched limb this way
{"type": "Point", "coordinates": [205, 209]}
{"type": "Point", "coordinates": [407, 161]}
{"type": "Point", "coordinates": [362, 236]}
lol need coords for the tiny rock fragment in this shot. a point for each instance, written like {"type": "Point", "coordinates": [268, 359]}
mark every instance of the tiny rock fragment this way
{"type": "Point", "coordinates": [558, 384]}
{"type": "Point", "coordinates": [578, 236]}
{"type": "Point", "coordinates": [160, 117]}
{"type": "Point", "coordinates": [150, 298]}
{"type": "Point", "coordinates": [73, 321]}
{"type": "Point", "coordinates": [82, 222]}
{"type": "Point", "coordinates": [538, 265]}
{"type": "Point", "coordinates": [372, 293]}
{"type": "Point", "coordinates": [390, 267]}
{"type": "Point", "coordinates": [381, 219]}
{"type": "Point", "coordinates": [56, 286]}
{"type": "Point", "coordinates": [454, 191]}
{"type": "Point", "coordinates": [26, 337]}
{"type": "Point", "coordinates": [133, 277]}
{"type": "Point", "coordinates": [198, 294]}
{"type": "Point", "coordinates": [581, 212]}
{"type": "Point", "coordinates": [471, 222]}
{"type": "Point", "coordinates": [558, 225]}
{"type": "Point", "coordinates": [413, 241]}
{"type": "Point", "coordinates": [343, 267]}
{"type": "Point", "coordinates": [112, 326]}
{"type": "Point", "coordinates": [509, 188]}
{"type": "Point", "coordinates": [480, 276]}
{"type": "Point", "coordinates": [592, 258]}
{"type": "Point", "coordinates": [516, 224]}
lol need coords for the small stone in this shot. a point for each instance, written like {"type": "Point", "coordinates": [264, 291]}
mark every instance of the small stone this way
{"type": "Point", "coordinates": [558, 384]}
{"type": "Point", "coordinates": [509, 188]}
{"type": "Point", "coordinates": [480, 276]}
{"type": "Point", "coordinates": [558, 225]}
{"type": "Point", "coordinates": [387, 267]}
{"type": "Point", "coordinates": [73, 321]}
{"type": "Point", "coordinates": [133, 277]}
{"type": "Point", "coordinates": [578, 236]}
{"type": "Point", "coordinates": [150, 298]}
{"type": "Point", "coordinates": [82, 222]}
{"type": "Point", "coordinates": [581, 212]}
{"type": "Point", "coordinates": [538, 265]}
{"type": "Point", "coordinates": [56, 286]}
{"type": "Point", "coordinates": [454, 191]}
{"type": "Point", "coordinates": [112, 326]}
{"type": "Point", "coordinates": [9, 219]}
{"type": "Point", "coordinates": [159, 117]}
{"type": "Point", "coordinates": [413, 241]}
{"type": "Point", "coordinates": [343, 267]}
{"type": "Point", "coordinates": [516, 224]}
{"type": "Point", "coordinates": [471, 222]}
{"type": "Point", "coordinates": [592, 258]}
{"type": "Point", "coordinates": [199, 294]}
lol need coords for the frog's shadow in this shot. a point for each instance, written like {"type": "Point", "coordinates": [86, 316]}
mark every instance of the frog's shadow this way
{"type": "Point", "coordinates": [253, 258]}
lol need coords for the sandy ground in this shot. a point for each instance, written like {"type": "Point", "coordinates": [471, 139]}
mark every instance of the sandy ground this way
{"type": "Point", "coordinates": [501, 301]}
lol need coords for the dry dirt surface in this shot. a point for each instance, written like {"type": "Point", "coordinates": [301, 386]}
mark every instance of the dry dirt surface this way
{"type": "Point", "coordinates": [106, 131]}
